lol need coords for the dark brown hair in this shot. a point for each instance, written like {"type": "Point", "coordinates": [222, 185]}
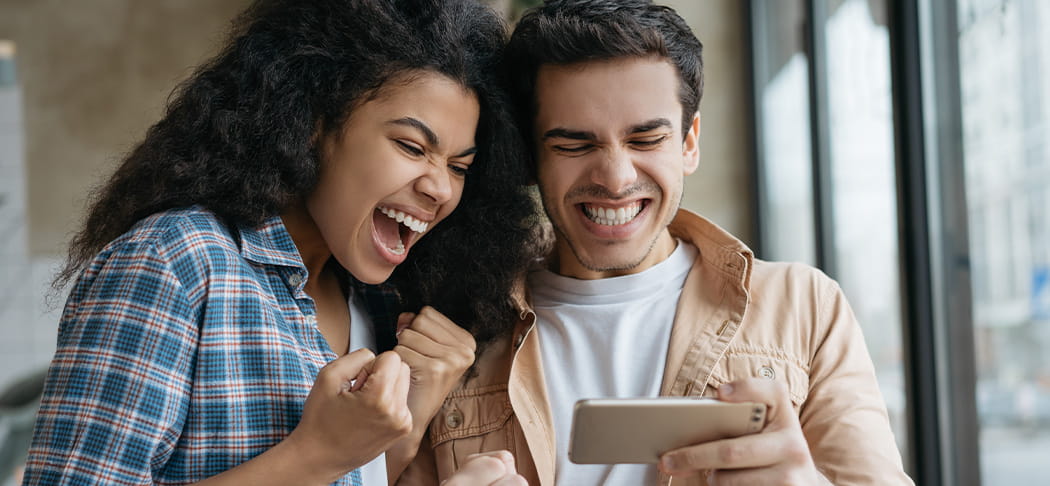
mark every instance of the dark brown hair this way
{"type": "Point", "coordinates": [570, 31]}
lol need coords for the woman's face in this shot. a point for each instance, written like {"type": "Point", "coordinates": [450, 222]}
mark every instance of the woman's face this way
{"type": "Point", "coordinates": [395, 170]}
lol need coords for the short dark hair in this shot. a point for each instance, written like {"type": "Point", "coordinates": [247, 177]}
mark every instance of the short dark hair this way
{"type": "Point", "coordinates": [569, 31]}
{"type": "Point", "coordinates": [239, 137]}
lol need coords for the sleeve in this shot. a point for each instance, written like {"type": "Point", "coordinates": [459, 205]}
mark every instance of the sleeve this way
{"type": "Point", "coordinates": [118, 387]}
{"type": "Point", "coordinates": [844, 417]}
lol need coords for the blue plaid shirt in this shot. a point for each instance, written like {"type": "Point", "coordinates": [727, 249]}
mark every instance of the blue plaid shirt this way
{"type": "Point", "coordinates": [184, 350]}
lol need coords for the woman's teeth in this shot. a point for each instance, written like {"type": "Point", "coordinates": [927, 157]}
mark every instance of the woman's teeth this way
{"type": "Point", "coordinates": [610, 216]}
{"type": "Point", "coordinates": [409, 222]}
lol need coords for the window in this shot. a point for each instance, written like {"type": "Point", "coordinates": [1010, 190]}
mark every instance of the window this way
{"type": "Point", "coordinates": [1005, 77]}
{"type": "Point", "coordinates": [827, 193]}
{"type": "Point", "coordinates": [863, 186]}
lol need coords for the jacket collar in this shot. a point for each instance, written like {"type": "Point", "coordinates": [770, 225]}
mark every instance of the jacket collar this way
{"type": "Point", "coordinates": [718, 248]}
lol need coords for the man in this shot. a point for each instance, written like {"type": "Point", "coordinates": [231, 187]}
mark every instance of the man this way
{"type": "Point", "coordinates": [640, 298]}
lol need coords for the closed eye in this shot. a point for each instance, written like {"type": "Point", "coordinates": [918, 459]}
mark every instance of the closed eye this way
{"type": "Point", "coordinates": [573, 149]}
{"type": "Point", "coordinates": [459, 170]}
{"type": "Point", "coordinates": [409, 148]}
{"type": "Point", "coordinates": [648, 142]}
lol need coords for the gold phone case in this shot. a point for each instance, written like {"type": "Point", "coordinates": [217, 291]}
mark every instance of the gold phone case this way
{"type": "Point", "coordinates": [639, 430]}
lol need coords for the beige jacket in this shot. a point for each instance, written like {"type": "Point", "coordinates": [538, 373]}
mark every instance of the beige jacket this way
{"type": "Point", "coordinates": [738, 317]}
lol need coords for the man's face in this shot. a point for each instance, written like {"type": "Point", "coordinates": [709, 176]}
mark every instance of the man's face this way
{"type": "Point", "coordinates": [611, 162]}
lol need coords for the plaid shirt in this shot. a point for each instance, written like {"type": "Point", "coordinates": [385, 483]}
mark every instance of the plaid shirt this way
{"type": "Point", "coordinates": [184, 350]}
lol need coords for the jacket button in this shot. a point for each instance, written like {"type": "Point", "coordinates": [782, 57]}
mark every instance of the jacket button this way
{"type": "Point", "coordinates": [454, 419]}
{"type": "Point", "coordinates": [767, 373]}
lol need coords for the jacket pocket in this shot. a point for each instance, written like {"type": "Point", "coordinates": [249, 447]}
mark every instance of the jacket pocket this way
{"type": "Point", "coordinates": [470, 421]}
{"type": "Point", "coordinates": [741, 363]}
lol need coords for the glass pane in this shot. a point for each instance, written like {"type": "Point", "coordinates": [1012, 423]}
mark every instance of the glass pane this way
{"type": "Point", "coordinates": [863, 190]}
{"type": "Point", "coordinates": [782, 78]}
{"type": "Point", "coordinates": [1005, 82]}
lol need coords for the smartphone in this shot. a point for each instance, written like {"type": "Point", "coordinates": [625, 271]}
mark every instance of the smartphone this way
{"type": "Point", "coordinates": [639, 430]}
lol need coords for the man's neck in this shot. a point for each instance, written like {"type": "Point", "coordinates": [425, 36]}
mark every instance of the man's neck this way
{"type": "Point", "coordinates": [564, 261]}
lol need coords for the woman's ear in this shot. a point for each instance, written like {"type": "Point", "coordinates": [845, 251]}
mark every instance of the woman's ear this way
{"type": "Point", "coordinates": [691, 146]}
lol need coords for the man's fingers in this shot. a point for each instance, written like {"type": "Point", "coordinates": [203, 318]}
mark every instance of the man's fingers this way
{"type": "Point", "coordinates": [503, 455]}
{"type": "Point", "coordinates": [749, 451]}
{"type": "Point", "coordinates": [515, 480]}
{"type": "Point", "coordinates": [725, 477]}
{"type": "Point", "coordinates": [479, 470]}
{"type": "Point", "coordinates": [774, 394]}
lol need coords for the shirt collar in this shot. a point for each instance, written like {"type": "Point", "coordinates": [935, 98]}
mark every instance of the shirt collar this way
{"type": "Point", "coordinates": [270, 243]}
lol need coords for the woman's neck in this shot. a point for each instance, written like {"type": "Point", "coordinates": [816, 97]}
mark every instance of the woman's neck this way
{"type": "Point", "coordinates": [308, 240]}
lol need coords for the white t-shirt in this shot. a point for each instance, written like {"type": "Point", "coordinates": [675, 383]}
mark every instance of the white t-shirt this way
{"type": "Point", "coordinates": [605, 338]}
{"type": "Point", "coordinates": [362, 335]}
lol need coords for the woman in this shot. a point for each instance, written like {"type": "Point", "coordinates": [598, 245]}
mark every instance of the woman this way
{"type": "Point", "coordinates": [210, 336]}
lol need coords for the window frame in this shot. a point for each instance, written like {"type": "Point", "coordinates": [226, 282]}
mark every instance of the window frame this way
{"type": "Point", "coordinates": [933, 240]}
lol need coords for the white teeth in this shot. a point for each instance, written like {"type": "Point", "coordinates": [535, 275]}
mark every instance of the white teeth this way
{"type": "Point", "coordinates": [410, 222]}
{"type": "Point", "coordinates": [612, 217]}
{"type": "Point", "coordinates": [400, 250]}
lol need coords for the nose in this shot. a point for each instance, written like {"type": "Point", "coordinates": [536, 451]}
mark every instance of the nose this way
{"type": "Point", "coordinates": [436, 184]}
{"type": "Point", "coordinates": [615, 171]}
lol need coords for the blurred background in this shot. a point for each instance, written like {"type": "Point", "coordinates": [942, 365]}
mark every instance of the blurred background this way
{"type": "Point", "coordinates": [899, 145]}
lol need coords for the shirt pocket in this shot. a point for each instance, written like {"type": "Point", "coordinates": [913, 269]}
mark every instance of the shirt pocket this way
{"type": "Point", "coordinates": [761, 363]}
{"type": "Point", "coordinates": [471, 421]}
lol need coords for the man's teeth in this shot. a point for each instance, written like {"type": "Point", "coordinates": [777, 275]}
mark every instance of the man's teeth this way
{"type": "Point", "coordinates": [410, 222]}
{"type": "Point", "coordinates": [400, 250]}
{"type": "Point", "coordinates": [610, 216]}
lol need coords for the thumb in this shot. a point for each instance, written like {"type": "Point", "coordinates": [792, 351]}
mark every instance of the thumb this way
{"type": "Point", "coordinates": [341, 371]}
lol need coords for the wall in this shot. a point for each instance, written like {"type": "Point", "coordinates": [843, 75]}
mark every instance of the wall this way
{"type": "Point", "coordinates": [721, 189]}
{"type": "Point", "coordinates": [94, 75]}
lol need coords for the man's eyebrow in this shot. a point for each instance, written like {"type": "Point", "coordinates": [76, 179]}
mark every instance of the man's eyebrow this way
{"type": "Point", "coordinates": [429, 134]}
{"type": "Point", "coordinates": [570, 134]}
{"type": "Point", "coordinates": [650, 125]}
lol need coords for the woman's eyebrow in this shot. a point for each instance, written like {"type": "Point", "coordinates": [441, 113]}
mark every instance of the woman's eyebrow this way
{"type": "Point", "coordinates": [432, 138]}
{"type": "Point", "coordinates": [465, 153]}
{"type": "Point", "coordinates": [429, 134]}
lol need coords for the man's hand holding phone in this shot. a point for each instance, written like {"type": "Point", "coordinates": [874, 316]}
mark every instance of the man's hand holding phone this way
{"type": "Point", "coordinates": [640, 430]}
{"type": "Point", "coordinates": [778, 455]}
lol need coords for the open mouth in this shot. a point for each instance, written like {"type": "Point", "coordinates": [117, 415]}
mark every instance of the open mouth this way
{"type": "Point", "coordinates": [613, 216]}
{"type": "Point", "coordinates": [397, 230]}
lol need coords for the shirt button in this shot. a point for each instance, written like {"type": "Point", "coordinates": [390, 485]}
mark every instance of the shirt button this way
{"type": "Point", "coordinates": [295, 279]}
{"type": "Point", "coordinates": [767, 373]}
{"type": "Point", "coordinates": [454, 419]}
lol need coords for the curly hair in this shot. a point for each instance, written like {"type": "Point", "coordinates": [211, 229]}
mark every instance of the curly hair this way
{"type": "Point", "coordinates": [238, 137]}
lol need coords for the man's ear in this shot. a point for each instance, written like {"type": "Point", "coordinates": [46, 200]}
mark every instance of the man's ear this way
{"type": "Point", "coordinates": [691, 146]}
